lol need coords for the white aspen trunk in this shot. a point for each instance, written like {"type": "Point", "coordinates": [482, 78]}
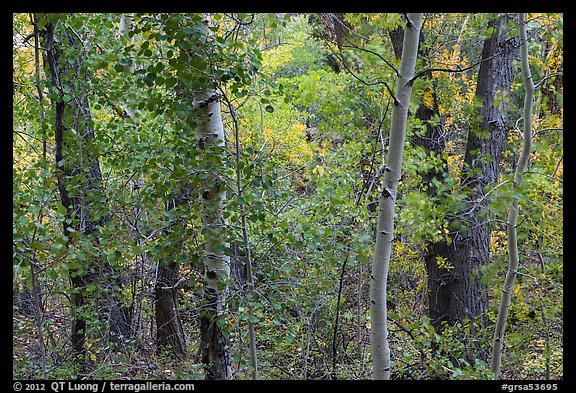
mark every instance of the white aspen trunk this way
{"type": "Point", "coordinates": [387, 201]}
{"type": "Point", "coordinates": [513, 258]}
{"type": "Point", "coordinates": [215, 350]}
{"type": "Point", "coordinates": [125, 27]}
{"type": "Point", "coordinates": [210, 133]}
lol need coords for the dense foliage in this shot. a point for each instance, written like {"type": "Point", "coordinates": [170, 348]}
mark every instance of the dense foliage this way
{"type": "Point", "coordinates": [307, 105]}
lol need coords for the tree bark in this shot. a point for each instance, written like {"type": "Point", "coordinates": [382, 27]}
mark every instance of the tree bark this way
{"type": "Point", "coordinates": [169, 332]}
{"type": "Point", "coordinates": [337, 28]}
{"type": "Point", "coordinates": [513, 258]}
{"type": "Point", "coordinates": [82, 199]}
{"type": "Point", "coordinates": [456, 293]}
{"type": "Point", "coordinates": [387, 201]}
{"type": "Point", "coordinates": [214, 346]}
{"type": "Point", "coordinates": [397, 38]}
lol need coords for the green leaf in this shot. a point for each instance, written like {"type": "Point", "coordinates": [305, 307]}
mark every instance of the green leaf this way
{"type": "Point", "coordinates": [36, 246]}
{"type": "Point", "coordinates": [220, 322]}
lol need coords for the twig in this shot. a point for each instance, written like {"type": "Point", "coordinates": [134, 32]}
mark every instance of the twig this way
{"type": "Point", "coordinates": [338, 315]}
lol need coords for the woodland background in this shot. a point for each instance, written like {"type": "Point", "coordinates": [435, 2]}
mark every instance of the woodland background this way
{"type": "Point", "coordinates": [121, 196]}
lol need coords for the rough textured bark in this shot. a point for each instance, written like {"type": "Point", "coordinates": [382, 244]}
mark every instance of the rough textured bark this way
{"type": "Point", "coordinates": [336, 26]}
{"type": "Point", "coordinates": [85, 208]}
{"type": "Point", "coordinates": [169, 332]}
{"type": "Point", "coordinates": [513, 258]}
{"type": "Point", "coordinates": [397, 38]}
{"type": "Point", "coordinates": [387, 201]}
{"type": "Point", "coordinates": [457, 293]}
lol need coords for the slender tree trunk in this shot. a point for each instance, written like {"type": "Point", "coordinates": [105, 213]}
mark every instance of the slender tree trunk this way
{"type": "Point", "coordinates": [387, 201]}
{"type": "Point", "coordinates": [34, 22]}
{"type": "Point", "coordinates": [456, 293]}
{"type": "Point", "coordinates": [433, 140]}
{"type": "Point", "coordinates": [246, 244]}
{"type": "Point", "coordinates": [85, 207]}
{"type": "Point", "coordinates": [214, 346]}
{"type": "Point", "coordinates": [513, 258]}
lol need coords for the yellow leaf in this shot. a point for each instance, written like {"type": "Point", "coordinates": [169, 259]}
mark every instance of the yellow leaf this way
{"type": "Point", "coordinates": [428, 98]}
{"type": "Point", "coordinates": [319, 170]}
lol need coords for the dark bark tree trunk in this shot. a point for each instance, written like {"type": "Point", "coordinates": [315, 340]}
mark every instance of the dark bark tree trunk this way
{"type": "Point", "coordinates": [457, 293]}
{"type": "Point", "coordinates": [169, 331]}
{"type": "Point", "coordinates": [79, 183]}
{"type": "Point", "coordinates": [512, 222]}
{"type": "Point", "coordinates": [337, 28]}
{"type": "Point", "coordinates": [397, 37]}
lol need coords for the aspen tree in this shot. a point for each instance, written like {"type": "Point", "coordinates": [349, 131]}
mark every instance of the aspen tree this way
{"type": "Point", "coordinates": [513, 258]}
{"type": "Point", "coordinates": [210, 132]}
{"type": "Point", "coordinates": [387, 200]}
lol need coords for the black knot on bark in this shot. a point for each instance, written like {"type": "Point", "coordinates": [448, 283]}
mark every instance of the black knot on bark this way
{"type": "Point", "coordinates": [213, 98]}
